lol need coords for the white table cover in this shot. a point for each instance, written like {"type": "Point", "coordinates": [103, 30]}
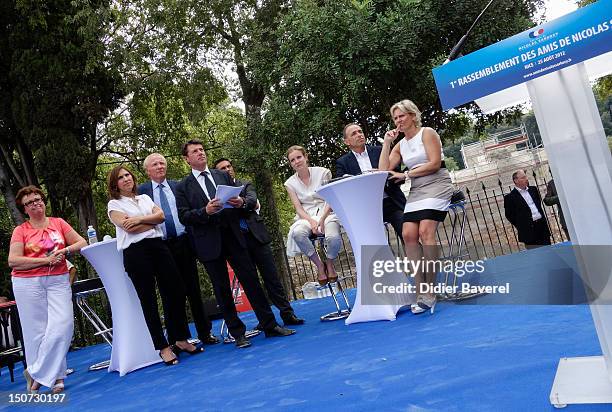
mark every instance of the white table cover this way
{"type": "Point", "coordinates": [357, 201]}
{"type": "Point", "coordinates": [132, 344]}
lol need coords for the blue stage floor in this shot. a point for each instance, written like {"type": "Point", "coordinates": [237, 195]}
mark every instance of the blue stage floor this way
{"type": "Point", "coordinates": [463, 358]}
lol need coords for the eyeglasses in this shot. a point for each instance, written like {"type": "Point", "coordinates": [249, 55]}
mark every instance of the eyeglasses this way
{"type": "Point", "coordinates": [33, 202]}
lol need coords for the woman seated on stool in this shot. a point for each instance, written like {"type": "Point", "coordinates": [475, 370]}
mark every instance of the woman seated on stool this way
{"type": "Point", "coordinates": [38, 252]}
{"type": "Point", "coordinates": [146, 258]}
{"type": "Point", "coordinates": [314, 216]}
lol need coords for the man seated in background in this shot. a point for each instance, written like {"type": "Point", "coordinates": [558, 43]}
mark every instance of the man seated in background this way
{"type": "Point", "coordinates": [258, 245]}
{"type": "Point", "coordinates": [363, 158]}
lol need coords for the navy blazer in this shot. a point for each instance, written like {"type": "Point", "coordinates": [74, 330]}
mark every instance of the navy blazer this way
{"type": "Point", "coordinates": [255, 222]}
{"type": "Point", "coordinates": [146, 188]}
{"type": "Point", "coordinates": [205, 230]}
{"type": "Point", "coordinates": [347, 164]}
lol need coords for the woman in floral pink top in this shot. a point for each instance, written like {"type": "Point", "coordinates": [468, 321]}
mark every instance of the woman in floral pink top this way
{"type": "Point", "coordinates": [39, 248]}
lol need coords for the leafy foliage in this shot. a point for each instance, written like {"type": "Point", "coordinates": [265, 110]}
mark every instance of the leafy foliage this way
{"type": "Point", "coordinates": [59, 90]}
{"type": "Point", "coordinates": [345, 61]}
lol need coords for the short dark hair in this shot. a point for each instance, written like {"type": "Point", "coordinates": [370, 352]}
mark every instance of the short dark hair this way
{"type": "Point", "coordinates": [516, 173]}
{"type": "Point", "coordinates": [221, 159]}
{"type": "Point", "coordinates": [346, 127]}
{"type": "Point", "coordinates": [113, 178]}
{"type": "Point", "coordinates": [28, 190]}
{"type": "Point", "coordinates": [190, 142]}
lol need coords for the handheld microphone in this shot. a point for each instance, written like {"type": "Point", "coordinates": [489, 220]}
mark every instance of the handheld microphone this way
{"type": "Point", "coordinates": [457, 49]}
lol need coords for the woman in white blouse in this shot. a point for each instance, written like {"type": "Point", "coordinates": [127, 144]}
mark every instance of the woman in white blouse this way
{"type": "Point", "coordinates": [146, 258]}
{"type": "Point", "coordinates": [313, 215]}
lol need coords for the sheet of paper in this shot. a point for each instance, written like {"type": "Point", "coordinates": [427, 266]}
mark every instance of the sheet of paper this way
{"type": "Point", "coordinates": [224, 193]}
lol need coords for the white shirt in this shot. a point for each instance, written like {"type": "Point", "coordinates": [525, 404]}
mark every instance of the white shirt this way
{"type": "Point", "coordinates": [141, 205]}
{"type": "Point", "coordinates": [535, 213]}
{"type": "Point", "coordinates": [363, 160]}
{"type": "Point", "coordinates": [198, 175]}
{"type": "Point", "coordinates": [180, 229]}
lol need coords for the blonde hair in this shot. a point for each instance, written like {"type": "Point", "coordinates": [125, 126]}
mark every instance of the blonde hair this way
{"type": "Point", "coordinates": [408, 106]}
{"type": "Point", "coordinates": [294, 148]}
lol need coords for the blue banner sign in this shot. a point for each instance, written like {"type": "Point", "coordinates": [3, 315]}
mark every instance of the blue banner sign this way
{"type": "Point", "coordinates": [568, 40]}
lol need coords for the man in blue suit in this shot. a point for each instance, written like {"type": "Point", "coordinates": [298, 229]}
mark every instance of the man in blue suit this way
{"type": "Point", "coordinates": [162, 191]}
{"type": "Point", "coordinates": [362, 158]}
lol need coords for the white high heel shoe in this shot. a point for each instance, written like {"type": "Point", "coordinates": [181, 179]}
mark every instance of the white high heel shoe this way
{"type": "Point", "coordinates": [29, 382]}
{"type": "Point", "coordinates": [423, 305]}
{"type": "Point", "coordinates": [416, 309]}
{"type": "Point", "coordinates": [427, 304]}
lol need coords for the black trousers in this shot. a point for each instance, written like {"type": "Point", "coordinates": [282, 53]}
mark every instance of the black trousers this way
{"type": "Point", "coordinates": [238, 257]}
{"type": "Point", "coordinates": [187, 266]}
{"type": "Point", "coordinates": [261, 255]}
{"type": "Point", "coordinates": [541, 234]}
{"type": "Point", "coordinates": [394, 215]}
{"type": "Point", "coordinates": [145, 262]}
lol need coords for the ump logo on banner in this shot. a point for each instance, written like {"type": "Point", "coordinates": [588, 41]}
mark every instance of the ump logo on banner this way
{"type": "Point", "coordinates": [568, 40]}
{"type": "Point", "coordinates": [536, 33]}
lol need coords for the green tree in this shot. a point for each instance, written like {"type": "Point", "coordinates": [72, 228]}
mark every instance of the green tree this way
{"type": "Point", "coordinates": [59, 90]}
{"type": "Point", "coordinates": [225, 31]}
{"type": "Point", "coordinates": [344, 61]}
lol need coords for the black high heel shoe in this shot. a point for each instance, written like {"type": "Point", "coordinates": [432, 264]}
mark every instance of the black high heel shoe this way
{"type": "Point", "coordinates": [197, 349]}
{"type": "Point", "coordinates": [170, 362]}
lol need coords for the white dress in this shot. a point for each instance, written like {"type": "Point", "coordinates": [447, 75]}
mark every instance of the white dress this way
{"type": "Point", "coordinates": [429, 196]}
{"type": "Point", "coordinates": [312, 203]}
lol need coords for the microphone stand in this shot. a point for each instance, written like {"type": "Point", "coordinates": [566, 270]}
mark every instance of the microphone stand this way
{"type": "Point", "coordinates": [457, 49]}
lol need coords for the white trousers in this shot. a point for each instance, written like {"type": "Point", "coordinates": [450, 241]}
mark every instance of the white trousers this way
{"type": "Point", "coordinates": [47, 321]}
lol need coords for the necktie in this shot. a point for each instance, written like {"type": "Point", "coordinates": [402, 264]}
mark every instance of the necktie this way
{"type": "Point", "coordinates": [169, 223]}
{"type": "Point", "coordinates": [210, 186]}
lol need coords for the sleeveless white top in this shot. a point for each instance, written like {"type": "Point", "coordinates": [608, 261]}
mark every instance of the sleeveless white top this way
{"type": "Point", "coordinates": [413, 150]}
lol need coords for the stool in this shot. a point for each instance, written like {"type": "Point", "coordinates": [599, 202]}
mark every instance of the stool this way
{"type": "Point", "coordinates": [456, 244]}
{"type": "Point", "coordinates": [82, 290]}
{"type": "Point", "coordinates": [11, 340]}
{"type": "Point", "coordinates": [318, 241]}
{"type": "Point", "coordinates": [227, 337]}
{"type": "Point", "coordinates": [399, 242]}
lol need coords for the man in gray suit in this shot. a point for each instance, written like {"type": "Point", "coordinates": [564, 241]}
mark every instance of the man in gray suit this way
{"type": "Point", "coordinates": [162, 191]}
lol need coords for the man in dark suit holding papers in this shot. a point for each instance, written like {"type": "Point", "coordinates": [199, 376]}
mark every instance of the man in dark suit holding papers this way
{"type": "Point", "coordinates": [216, 236]}
{"type": "Point", "coordinates": [258, 244]}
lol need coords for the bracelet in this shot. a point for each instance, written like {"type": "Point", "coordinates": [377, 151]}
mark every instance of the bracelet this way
{"type": "Point", "coordinates": [67, 253]}
{"type": "Point", "coordinates": [407, 175]}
